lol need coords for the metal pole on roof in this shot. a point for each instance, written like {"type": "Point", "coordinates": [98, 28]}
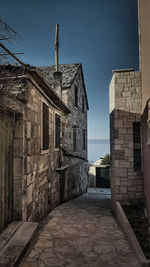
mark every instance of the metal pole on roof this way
{"type": "Point", "coordinates": [56, 47]}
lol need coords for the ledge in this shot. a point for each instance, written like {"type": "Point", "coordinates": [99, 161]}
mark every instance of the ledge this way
{"type": "Point", "coordinates": [122, 219]}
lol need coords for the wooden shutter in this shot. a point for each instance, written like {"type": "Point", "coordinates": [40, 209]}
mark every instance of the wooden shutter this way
{"type": "Point", "coordinates": [45, 126]}
{"type": "Point", "coordinates": [57, 131]}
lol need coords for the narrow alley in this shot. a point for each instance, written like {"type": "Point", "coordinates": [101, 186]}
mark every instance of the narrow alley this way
{"type": "Point", "coordinates": [81, 232]}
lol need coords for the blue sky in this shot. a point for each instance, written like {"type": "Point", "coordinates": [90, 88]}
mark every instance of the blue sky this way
{"type": "Point", "coordinates": [101, 34]}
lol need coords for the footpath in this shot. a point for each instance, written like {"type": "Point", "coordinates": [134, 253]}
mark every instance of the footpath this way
{"type": "Point", "coordinates": [81, 233]}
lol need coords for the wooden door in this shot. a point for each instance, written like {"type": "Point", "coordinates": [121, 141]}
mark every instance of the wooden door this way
{"type": "Point", "coordinates": [6, 169]}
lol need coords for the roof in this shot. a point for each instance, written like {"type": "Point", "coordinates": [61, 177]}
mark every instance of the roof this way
{"type": "Point", "coordinates": [68, 73]}
{"type": "Point", "coordinates": [20, 74]}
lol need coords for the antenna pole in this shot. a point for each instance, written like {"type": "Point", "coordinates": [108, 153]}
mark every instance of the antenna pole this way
{"type": "Point", "coordinates": [56, 46]}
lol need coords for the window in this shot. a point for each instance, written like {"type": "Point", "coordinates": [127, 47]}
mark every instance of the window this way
{"type": "Point", "coordinates": [84, 140]}
{"type": "Point", "coordinates": [57, 131]}
{"type": "Point", "coordinates": [137, 160]}
{"type": "Point", "coordinates": [76, 96]}
{"type": "Point", "coordinates": [74, 138]}
{"type": "Point", "coordinates": [137, 146]}
{"type": "Point", "coordinates": [83, 104]}
{"type": "Point", "coordinates": [45, 127]}
{"type": "Point", "coordinates": [136, 132]}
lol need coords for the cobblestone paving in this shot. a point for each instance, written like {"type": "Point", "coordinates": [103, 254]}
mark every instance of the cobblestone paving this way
{"type": "Point", "coordinates": [79, 233]}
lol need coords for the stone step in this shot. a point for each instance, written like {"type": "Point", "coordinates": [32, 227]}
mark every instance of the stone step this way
{"type": "Point", "coordinates": [16, 246]}
{"type": "Point", "coordinates": [8, 232]}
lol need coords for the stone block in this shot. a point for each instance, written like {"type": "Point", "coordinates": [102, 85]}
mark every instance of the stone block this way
{"type": "Point", "coordinates": [124, 164]}
{"type": "Point", "coordinates": [119, 155]}
{"type": "Point", "coordinates": [28, 129]}
{"type": "Point", "coordinates": [18, 147]}
{"type": "Point", "coordinates": [29, 179]}
{"type": "Point", "coordinates": [18, 167]}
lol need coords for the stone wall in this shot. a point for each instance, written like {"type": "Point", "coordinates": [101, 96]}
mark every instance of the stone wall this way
{"type": "Point", "coordinates": [77, 172]}
{"type": "Point", "coordinates": [125, 109]}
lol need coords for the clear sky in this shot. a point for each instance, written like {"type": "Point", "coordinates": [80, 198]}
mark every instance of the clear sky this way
{"type": "Point", "coordinates": [101, 34]}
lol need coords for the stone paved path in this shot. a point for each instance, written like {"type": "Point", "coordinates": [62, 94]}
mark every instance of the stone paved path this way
{"type": "Point", "coordinates": [79, 233]}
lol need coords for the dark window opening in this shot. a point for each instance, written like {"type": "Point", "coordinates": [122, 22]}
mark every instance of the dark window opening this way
{"type": "Point", "coordinates": [137, 159]}
{"type": "Point", "coordinates": [45, 126]}
{"type": "Point", "coordinates": [137, 146]}
{"type": "Point", "coordinates": [74, 139]}
{"type": "Point", "coordinates": [76, 96]}
{"type": "Point", "coordinates": [84, 140]}
{"type": "Point", "coordinates": [57, 131]}
{"type": "Point", "coordinates": [82, 104]}
{"type": "Point", "coordinates": [137, 132]}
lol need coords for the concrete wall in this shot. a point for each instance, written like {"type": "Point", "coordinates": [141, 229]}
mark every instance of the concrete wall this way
{"type": "Point", "coordinates": [144, 29]}
{"type": "Point", "coordinates": [125, 108]}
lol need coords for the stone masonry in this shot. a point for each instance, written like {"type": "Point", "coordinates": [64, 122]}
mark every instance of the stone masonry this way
{"type": "Point", "coordinates": [44, 178]}
{"type": "Point", "coordinates": [125, 110]}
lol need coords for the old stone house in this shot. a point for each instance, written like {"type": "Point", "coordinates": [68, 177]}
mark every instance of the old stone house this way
{"type": "Point", "coordinates": [44, 141]}
{"type": "Point", "coordinates": [130, 123]}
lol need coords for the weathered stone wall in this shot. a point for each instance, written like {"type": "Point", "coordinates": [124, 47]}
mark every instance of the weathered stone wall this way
{"type": "Point", "coordinates": [125, 109]}
{"type": "Point", "coordinates": [78, 168]}
{"type": "Point", "coordinates": [41, 182]}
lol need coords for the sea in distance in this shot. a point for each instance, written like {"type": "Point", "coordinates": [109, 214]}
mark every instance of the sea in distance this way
{"type": "Point", "coordinates": [97, 148]}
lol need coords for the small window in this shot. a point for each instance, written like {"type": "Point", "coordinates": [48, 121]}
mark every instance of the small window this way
{"type": "Point", "coordinates": [137, 160]}
{"type": "Point", "coordinates": [136, 132]}
{"type": "Point", "coordinates": [137, 146]}
{"type": "Point", "coordinates": [76, 96]}
{"type": "Point", "coordinates": [45, 127]}
{"type": "Point", "coordinates": [57, 131]}
{"type": "Point", "coordinates": [74, 139]}
{"type": "Point", "coordinates": [83, 104]}
{"type": "Point", "coordinates": [84, 140]}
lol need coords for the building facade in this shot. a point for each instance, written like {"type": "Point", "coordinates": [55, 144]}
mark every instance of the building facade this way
{"type": "Point", "coordinates": [125, 136]}
{"type": "Point", "coordinates": [47, 148]}
{"type": "Point", "coordinates": [144, 39]}
{"type": "Point", "coordinates": [130, 123]}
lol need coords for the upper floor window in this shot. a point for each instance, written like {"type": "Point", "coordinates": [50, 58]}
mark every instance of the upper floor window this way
{"type": "Point", "coordinates": [84, 140]}
{"type": "Point", "coordinates": [83, 104]}
{"type": "Point", "coordinates": [137, 146]}
{"type": "Point", "coordinates": [57, 131]}
{"type": "Point", "coordinates": [136, 132]}
{"type": "Point", "coordinates": [76, 96]}
{"type": "Point", "coordinates": [45, 141]}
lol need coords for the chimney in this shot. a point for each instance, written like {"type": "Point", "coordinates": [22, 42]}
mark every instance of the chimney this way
{"type": "Point", "coordinates": [57, 82]}
{"type": "Point", "coordinates": [57, 75]}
